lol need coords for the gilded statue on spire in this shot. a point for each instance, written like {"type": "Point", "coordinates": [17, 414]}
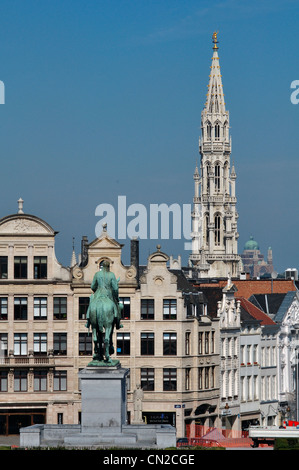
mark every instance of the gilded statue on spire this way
{"type": "Point", "coordinates": [214, 37]}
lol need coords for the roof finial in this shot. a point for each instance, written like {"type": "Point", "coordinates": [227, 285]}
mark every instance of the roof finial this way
{"type": "Point", "coordinates": [20, 202]}
{"type": "Point", "coordinates": [214, 37]}
{"type": "Point", "coordinates": [73, 259]}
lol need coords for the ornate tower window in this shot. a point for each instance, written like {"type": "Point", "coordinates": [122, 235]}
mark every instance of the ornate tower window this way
{"type": "Point", "coordinates": [217, 229]}
{"type": "Point", "coordinates": [208, 177]}
{"type": "Point", "coordinates": [217, 177]}
{"type": "Point", "coordinates": [207, 228]}
{"type": "Point", "coordinates": [209, 131]}
{"type": "Point", "coordinates": [217, 132]}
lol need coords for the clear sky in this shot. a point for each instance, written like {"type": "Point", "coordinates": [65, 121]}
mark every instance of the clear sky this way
{"type": "Point", "coordinates": [104, 98]}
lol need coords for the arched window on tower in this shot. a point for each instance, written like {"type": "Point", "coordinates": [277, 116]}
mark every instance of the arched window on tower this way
{"type": "Point", "coordinates": [217, 132]}
{"type": "Point", "coordinates": [217, 222]}
{"type": "Point", "coordinates": [208, 177]}
{"type": "Point", "coordinates": [217, 177]}
{"type": "Point", "coordinates": [225, 127]}
{"type": "Point", "coordinates": [209, 131]}
{"type": "Point", "coordinates": [207, 228]}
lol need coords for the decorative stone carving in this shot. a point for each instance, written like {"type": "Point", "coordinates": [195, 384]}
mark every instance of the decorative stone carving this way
{"type": "Point", "coordinates": [78, 273]}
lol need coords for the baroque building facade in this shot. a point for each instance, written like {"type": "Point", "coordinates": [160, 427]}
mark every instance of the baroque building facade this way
{"type": "Point", "coordinates": [168, 341]}
{"type": "Point", "coordinates": [214, 217]}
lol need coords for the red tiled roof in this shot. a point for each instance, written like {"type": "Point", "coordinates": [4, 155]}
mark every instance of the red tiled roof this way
{"type": "Point", "coordinates": [247, 288]}
{"type": "Point", "coordinates": [255, 312]}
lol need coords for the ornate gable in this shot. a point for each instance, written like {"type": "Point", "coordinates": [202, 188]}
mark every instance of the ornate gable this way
{"type": "Point", "coordinates": [24, 224]}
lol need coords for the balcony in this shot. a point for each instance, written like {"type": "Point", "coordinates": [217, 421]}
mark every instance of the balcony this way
{"type": "Point", "coordinates": [27, 361]}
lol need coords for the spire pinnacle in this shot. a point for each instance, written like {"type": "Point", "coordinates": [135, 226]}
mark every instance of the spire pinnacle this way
{"type": "Point", "coordinates": [214, 37]}
{"type": "Point", "coordinates": [215, 103]}
{"type": "Point", "coordinates": [73, 259]}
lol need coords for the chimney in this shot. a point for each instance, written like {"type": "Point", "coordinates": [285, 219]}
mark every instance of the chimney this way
{"type": "Point", "coordinates": [135, 256]}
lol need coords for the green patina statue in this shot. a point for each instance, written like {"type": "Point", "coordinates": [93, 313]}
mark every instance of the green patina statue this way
{"type": "Point", "coordinates": [103, 314]}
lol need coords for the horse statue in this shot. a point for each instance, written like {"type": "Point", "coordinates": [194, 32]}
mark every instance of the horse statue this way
{"type": "Point", "coordinates": [103, 314]}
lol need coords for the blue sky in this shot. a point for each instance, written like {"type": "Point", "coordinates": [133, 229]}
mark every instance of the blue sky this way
{"type": "Point", "coordinates": [104, 98]}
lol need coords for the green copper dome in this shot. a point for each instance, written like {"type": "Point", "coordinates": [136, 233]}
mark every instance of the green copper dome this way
{"type": "Point", "coordinates": [251, 244]}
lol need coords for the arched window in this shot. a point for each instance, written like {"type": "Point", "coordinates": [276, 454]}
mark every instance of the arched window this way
{"type": "Point", "coordinates": [207, 228]}
{"type": "Point", "coordinates": [209, 131]}
{"type": "Point", "coordinates": [225, 130]}
{"type": "Point", "coordinates": [217, 222]}
{"type": "Point", "coordinates": [217, 177]}
{"type": "Point", "coordinates": [208, 178]}
{"type": "Point", "coordinates": [217, 132]}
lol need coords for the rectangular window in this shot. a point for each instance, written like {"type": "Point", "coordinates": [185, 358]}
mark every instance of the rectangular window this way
{"type": "Point", "coordinates": [169, 344]}
{"type": "Point", "coordinates": [187, 343]}
{"type": "Point", "coordinates": [40, 267]}
{"type": "Point", "coordinates": [169, 309]}
{"type": "Point", "coordinates": [207, 376]}
{"type": "Point", "coordinates": [83, 306]}
{"type": "Point", "coordinates": [40, 308]}
{"type": "Point", "coordinates": [147, 346]}
{"type": "Point", "coordinates": [169, 380]}
{"type": "Point", "coordinates": [40, 380]}
{"type": "Point", "coordinates": [123, 344]}
{"type": "Point", "coordinates": [3, 380]}
{"type": "Point", "coordinates": [60, 308]}
{"type": "Point", "coordinates": [213, 342]}
{"type": "Point", "coordinates": [200, 378]}
{"type": "Point", "coordinates": [3, 308]}
{"type": "Point", "coordinates": [40, 344]}
{"type": "Point", "coordinates": [187, 378]}
{"type": "Point", "coordinates": [147, 309]}
{"type": "Point", "coordinates": [200, 341]}
{"type": "Point", "coordinates": [212, 377]}
{"type": "Point", "coordinates": [20, 380]}
{"type": "Point", "coordinates": [3, 345]}
{"type": "Point", "coordinates": [20, 344]}
{"type": "Point", "coordinates": [20, 267]}
{"type": "Point", "coordinates": [60, 344]}
{"type": "Point", "coordinates": [126, 311]}
{"type": "Point", "coordinates": [147, 379]}
{"type": "Point", "coordinates": [60, 380]}
{"type": "Point", "coordinates": [3, 267]}
{"type": "Point", "coordinates": [20, 308]}
{"type": "Point", "coordinates": [207, 342]}
{"type": "Point", "coordinates": [85, 344]}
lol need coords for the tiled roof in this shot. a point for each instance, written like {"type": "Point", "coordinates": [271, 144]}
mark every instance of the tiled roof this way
{"type": "Point", "coordinates": [255, 312]}
{"type": "Point", "coordinates": [247, 288]}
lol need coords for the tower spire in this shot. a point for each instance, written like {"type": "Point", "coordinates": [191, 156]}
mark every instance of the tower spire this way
{"type": "Point", "coordinates": [215, 97]}
{"type": "Point", "coordinates": [214, 228]}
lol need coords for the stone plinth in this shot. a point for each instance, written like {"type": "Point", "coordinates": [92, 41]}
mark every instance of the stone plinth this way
{"type": "Point", "coordinates": [103, 391]}
{"type": "Point", "coordinates": [103, 416]}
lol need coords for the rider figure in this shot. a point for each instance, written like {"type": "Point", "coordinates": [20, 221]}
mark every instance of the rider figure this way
{"type": "Point", "coordinates": [105, 285]}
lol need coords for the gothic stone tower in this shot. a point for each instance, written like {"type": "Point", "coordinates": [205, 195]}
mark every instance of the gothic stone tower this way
{"type": "Point", "coordinates": [214, 218]}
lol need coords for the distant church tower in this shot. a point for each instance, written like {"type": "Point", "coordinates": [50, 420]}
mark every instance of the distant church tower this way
{"type": "Point", "coordinates": [214, 217]}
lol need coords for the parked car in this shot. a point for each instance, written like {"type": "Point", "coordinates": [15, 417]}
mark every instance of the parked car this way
{"type": "Point", "coordinates": [182, 442]}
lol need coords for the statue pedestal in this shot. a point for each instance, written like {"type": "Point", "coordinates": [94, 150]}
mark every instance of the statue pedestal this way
{"type": "Point", "coordinates": [104, 401]}
{"type": "Point", "coordinates": [103, 418]}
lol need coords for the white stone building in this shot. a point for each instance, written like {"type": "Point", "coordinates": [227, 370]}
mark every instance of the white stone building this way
{"type": "Point", "coordinates": [230, 329]}
{"type": "Point", "coordinates": [214, 218]}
